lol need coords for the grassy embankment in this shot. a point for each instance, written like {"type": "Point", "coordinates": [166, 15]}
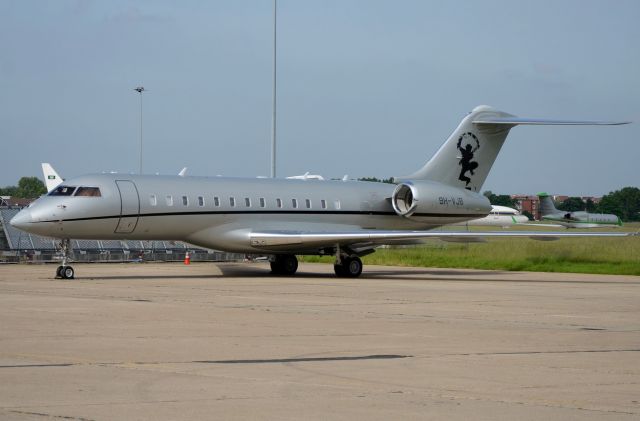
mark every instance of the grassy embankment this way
{"type": "Point", "coordinates": [619, 256]}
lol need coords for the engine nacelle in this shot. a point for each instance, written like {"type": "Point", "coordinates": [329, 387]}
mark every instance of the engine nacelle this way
{"type": "Point", "coordinates": [432, 202]}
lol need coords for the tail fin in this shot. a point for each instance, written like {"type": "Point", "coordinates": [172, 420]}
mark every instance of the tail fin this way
{"type": "Point", "coordinates": [51, 177]}
{"type": "Point", "coordinates": [465, 159]}
{"type": "Point", "coordinates": [547, 206]}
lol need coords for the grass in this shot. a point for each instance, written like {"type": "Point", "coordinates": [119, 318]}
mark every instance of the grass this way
{"type": "Point", "coordinates": [618, 256]}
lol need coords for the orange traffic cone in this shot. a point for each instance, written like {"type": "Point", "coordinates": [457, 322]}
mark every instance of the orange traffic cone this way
{"type": "Point", "coordinates": [187, 259]}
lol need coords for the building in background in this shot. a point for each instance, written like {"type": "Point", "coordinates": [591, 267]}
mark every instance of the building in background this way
{"type": "Point", "coordinates": [531, 203]}
{"type": "Point", "coordinates": [527, 203]}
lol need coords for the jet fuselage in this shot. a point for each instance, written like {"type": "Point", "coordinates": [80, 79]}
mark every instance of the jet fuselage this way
{"type": "Point", "coordinates": [220, 213]}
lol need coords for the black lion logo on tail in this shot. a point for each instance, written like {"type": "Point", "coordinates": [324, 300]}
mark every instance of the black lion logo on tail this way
{"type": "Point", "coordinates": [471, 145]}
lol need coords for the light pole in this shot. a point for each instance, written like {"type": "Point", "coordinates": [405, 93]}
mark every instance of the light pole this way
{"type": "Point", "coordinates": [273, 117]}
{"type": "Point", "coordinates": [140, 90]}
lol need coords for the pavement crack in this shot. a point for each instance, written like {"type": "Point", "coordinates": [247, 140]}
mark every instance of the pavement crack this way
{"type": "Point", "coordinates": [307, 359]}
{"type": "Point", "coordinates": [578, 351]}
{"type": "Point", "coordinates": [42, 414]}
{"type": "Point", "coordinates": [37, 365]}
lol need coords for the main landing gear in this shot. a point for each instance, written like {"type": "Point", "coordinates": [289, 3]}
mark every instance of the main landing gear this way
{"type": "Point", "coordinates": [284, 264]}
{"type": "Point", "coordinates": [348, 264]}
{"type": "Point", "coordinates": [65, 271]}
{"type": "Point", "coordinates": [348, 267]}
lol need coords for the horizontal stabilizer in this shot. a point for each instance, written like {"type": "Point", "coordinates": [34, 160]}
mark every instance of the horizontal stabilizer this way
{"type": "Point", "coordinates": [516, 121]}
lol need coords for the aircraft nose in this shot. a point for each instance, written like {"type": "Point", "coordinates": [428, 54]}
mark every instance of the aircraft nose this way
{"type": "Point", "coordinates": [22, 220]}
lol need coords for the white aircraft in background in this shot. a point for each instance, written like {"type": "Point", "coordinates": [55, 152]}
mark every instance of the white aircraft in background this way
{"type": "Point", "coordinates": [306, 176]}
{"type": "Point", "coordinates": [284, 218]}
{"type": "Point", "coordinates": [500, 216]}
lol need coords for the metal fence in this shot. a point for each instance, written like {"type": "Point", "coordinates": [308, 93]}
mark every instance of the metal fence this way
{"type": "Point", "coordinates": [19, 246]}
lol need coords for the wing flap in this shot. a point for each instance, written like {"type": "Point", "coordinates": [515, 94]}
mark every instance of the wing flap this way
{"type": "Point", "coordinates": [295, 239]}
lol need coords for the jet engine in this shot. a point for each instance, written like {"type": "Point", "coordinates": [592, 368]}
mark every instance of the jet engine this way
{"type": "Point", "coordinates": [428, 201]}
{"type": "Point", "coordinates": [405, 200]}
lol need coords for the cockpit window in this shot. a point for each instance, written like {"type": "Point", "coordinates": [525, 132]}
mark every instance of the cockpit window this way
{"type": "Point", "coordinates": [62, 191]}
{"type": "Point", "coordinates": [88, 191]}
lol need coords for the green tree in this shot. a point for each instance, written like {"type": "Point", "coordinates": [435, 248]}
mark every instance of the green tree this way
{"type": "Point", "coordinates": [590, 206]}
{"type": "Point", "coordinates": [625, 203]}
{"type": "Point", "coordinates": [8, 191]}
{"type": "Point", "coordinates": [572, 204]}
{"type": "Point", "coordinates": [501, 200]}
{"type": "Point", "coordinates": [378, 180]}
{"type": "Point", "coordinates": [30, 187]}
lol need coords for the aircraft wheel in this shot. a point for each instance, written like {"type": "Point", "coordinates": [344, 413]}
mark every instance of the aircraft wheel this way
{"type": "Point", "coordinates": [351, 267]}
{"type": "Point", "coordinates": [284, 264]}
{"type": "Point", "coordinates": [67, 272]}
{"type": "Point", "coordinates": [289, 264]}
{"type": "Point", "coordinates": [59, 272]}
{"type": "Point", "coordinates": [275, 267]}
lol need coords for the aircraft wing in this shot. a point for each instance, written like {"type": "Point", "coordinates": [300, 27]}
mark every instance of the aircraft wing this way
{"type": "Point", "coordinates": [309, 239]}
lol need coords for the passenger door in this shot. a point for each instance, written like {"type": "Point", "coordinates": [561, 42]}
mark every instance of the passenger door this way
{"type": "Point", "coordinates": [129, 206]}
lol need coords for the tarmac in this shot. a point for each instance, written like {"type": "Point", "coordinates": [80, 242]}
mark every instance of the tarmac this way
{"type": "Point", "coordinates": [229, 341]}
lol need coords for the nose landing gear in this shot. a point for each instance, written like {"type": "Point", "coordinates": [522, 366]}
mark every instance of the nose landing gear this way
{"type": "Point", "coordinates": [65, 271]}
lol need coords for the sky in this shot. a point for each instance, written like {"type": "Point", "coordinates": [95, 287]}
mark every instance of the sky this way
{"type": "Point", "coordinates": [364, 87]}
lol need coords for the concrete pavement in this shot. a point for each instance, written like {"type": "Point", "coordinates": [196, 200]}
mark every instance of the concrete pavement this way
{"type": "Point", "coordinates": [229, 341]}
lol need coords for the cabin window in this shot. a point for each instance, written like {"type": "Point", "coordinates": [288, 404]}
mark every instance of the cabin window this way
{"type": "Point", "coordinates": [247, 202]}
{"type": "Point", "coordinates": [185, 201]}
{"type": "Point", "coordinates": [169, 200]}
{"type": "Point", "coordinates": [262, 202]}
{"type": "Point", "coordinates": [336, 204]}
{"type": "Point", "coordinates": [232, 202]}
{"type": "Point", "coordinates": [88, 192]}
{"type": "Point", "coordinates": [216, 201]}
{"type": "Point", "coordinates": [323, 204]}
{"type": "Point", "coordinates": [152, 200]}
{"type": "Point", "coordinates": [62, 191]}
{"type": "Point", "coordinates": [279, 203]}
{"type": "Point", "coordinates": [294, 203]}
{"type": "Point", "coordinates": [200, 201]}
{"type": "Point", "coordinates": [307, 203]}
